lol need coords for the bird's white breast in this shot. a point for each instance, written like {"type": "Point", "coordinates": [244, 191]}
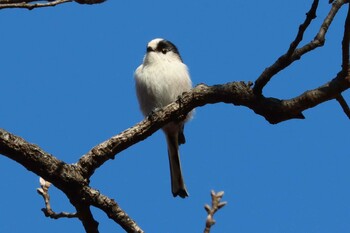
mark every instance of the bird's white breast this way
{"type": "Point", "coordinates": [160, 80]}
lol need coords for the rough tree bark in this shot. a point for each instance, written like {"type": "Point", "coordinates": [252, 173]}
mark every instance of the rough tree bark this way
{"type": "Point", "coordinates": [74, 179]}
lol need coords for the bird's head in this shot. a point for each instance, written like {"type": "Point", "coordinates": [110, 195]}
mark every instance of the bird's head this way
{"type": "Point", "coordinates": [160, 49]}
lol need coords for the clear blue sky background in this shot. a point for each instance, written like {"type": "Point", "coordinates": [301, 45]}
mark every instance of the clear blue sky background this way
{"type": "Point", "coordinates": [66, 76]}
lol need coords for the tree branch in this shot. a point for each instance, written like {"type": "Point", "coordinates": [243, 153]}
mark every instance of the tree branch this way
{"type": "Point", "coordinates": [111, 208]}
{"type": "Point", "coordinates": [237, 93]}
{"type": "Point", "coordinates": [73, 179]}
{"type": "Point", "coordinates": [67, 178]}
{"type": "Point", "coordinates": [33, 158]}
{"type": "Point", "coordinates": [344, 105]}
{"type": "Point", "coordinates": [294, 54]}
{"type": "Point", "coordinates": [84, 213]}
{"type": "Point", "coordinates": [302, 28]}
{"type": "Point", "coordinates": [31, 6]}
{"type": "Point", "coordinates": [27, 4]}
{"type": "Point", "coordinates": [345, 61]}
{"type": "Point", "coordinates": [346, 43]}
{"type": "Point", "coordinates": [44, 192]}
{"type": "Point", "coordinates": [216, 204]}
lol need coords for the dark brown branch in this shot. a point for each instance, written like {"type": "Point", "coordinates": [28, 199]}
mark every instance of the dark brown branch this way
{"type": "Point", "coordinates": [302, 28]}
{"type": "Point", "coordinates": [237, 93]}
{"type": "Point", "coordinates": [289, 57]}
{"type": "Point", "coordinates": [344, 105]}
{"type": "Point", "coordinates": [33, 158]}
{"type": "Point", "coordinates": [345, 61]}
{"type": "Point", "coordinates": [346, 43]}
{"type": "Point", "coordinates": [44, 192]}
{"type": "Point", "coordinates": [73, 180]}
{"type": "Point", "coordinates": [64, 176]}
{"type": "Point", "coordinates": [111, 208]}
{"type": "Point", "coordinates": [84, 214]}
{"type": "Point", "coordinates": [67, 178]}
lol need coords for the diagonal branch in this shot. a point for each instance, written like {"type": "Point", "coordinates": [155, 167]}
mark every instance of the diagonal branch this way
{"type": "Point", "coordinates": [33, 158]}
{"type": "Point", "coordinates": [73, 179]}
{"type": "Point", "coordinates": [17, 1]}
{"type": "Point", "coordinates": [237, 93]}
{"type": "Point", "coordinates": [111, 208]}
{"type": "Point", "coordinates": [302, 28]}
{"type": "Point", "coordinates": [31, 6]}
{"type": "Point", "coordinates": [28, 4]}
{"type": "Point", "coordinates": [67, 178]}
{"type": "Point", "coordinates": [294, 54]}
{"type": "Point", "coordinates": [344, 105]}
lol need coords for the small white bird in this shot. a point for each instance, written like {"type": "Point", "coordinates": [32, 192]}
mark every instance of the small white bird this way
{"type": "Point", "coordinates": [160, 80]}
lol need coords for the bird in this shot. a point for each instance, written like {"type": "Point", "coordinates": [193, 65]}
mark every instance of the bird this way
{"type": "Point", "coordinates": [159, 81]}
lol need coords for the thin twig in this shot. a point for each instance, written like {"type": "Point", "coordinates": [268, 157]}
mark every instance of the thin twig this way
{"type": "Point", "coordinates": [17, 1]}
{"type": "Point", "coordinates": [346, 43]}
{"type": "Point", "coordinates": [302, 28]}
{"type": "Point", "coordinates": [31, 6]}
{"type": "Point", "coordinates": [44, 192]}
{"type": "Point", "coordinates": [344, 105]}
{"type": "Point", "coordinates": [288, 58]}
{"type": "Point", "coordinates": [345, 61]}
{"type": "Point", "coordinates": [216, 204]}
{"type": "Point", "coordinates": [284, 60]}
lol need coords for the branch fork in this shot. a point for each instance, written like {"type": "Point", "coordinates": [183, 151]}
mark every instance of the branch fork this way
{"type": "Point", "coordinates": [216, 205]}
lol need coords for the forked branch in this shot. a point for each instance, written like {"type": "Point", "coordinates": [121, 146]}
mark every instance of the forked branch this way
{"type": "Point", "coordinates": [216, 204]}
{"type": "Point", "coordinates": [293, 53]}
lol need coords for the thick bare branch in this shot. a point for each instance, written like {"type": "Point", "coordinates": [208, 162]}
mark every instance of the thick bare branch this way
{"type": "Point", "coordinates": [289, 57]}
{"type": "Point", "coordinates": [237, 93]}
{"type": "Point", "coordinates": [67, 178]}
{"type": "Point", "coordinates": [33, 158]}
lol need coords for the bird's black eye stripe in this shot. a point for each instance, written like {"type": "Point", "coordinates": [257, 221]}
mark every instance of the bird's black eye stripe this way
{"type": "Point", "coordinates": [165, 46]}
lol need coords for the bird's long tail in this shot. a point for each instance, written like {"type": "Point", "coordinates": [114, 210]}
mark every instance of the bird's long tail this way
{"type": "Point", "coordinates": [178, 187]}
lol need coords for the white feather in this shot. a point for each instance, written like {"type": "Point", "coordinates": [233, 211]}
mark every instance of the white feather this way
{"type": "Point", "coordinates": [160, 80]}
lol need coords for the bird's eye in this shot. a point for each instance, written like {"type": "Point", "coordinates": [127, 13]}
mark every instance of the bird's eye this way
{"type": "Point", "coordinates": [164, 51]}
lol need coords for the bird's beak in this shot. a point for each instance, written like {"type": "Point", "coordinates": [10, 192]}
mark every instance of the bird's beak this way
{"type": "Point", "coordinates": [150, 49]}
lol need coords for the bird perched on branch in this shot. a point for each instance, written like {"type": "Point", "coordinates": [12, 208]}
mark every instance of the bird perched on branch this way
{"type": "Point", "coordinates": [160, 80]}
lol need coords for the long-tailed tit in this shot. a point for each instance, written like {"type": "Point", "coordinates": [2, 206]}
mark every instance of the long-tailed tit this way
{"type": "Point", "coordinates": [160, 80]}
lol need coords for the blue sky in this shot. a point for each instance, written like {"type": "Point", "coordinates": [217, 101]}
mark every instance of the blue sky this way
{"type": "Point", "coordinates": [66, 76]}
